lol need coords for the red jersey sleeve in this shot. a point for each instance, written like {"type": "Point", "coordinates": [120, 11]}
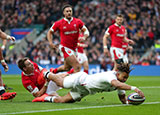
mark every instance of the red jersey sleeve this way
{"type": "Point", "coordinates": [55, 26]}
{"type": "Point", "coordinates": [28, 84]}
{"type": "Point", "coordinates": [80, 23]}
{"type": "Point", "coordinates": [109, 30]}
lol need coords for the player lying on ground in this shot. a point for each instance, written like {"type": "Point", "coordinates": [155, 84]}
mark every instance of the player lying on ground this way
{"type": "Point", "coordinates": [33, 81]}
{"type": "Point", "coordinates": [82, 84]}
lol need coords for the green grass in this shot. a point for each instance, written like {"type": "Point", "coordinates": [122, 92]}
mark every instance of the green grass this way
{"type": "Point", "coordinates": [22, 102]}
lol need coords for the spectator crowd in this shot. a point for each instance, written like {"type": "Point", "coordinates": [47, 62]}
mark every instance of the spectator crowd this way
{"type": "Point", "coordinates": [141, 20]}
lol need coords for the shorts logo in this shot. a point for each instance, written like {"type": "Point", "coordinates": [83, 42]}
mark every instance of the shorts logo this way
{"type": "Point", "coordinates": [69, 51]}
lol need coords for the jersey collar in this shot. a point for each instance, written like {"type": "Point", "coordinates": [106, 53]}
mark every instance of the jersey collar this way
{"type": "Point", "coordinates": [69, 21]}
{"type": "Point", "coordinates": [117, 25]}
{"type": "Point", "coordinates": [28, 74]}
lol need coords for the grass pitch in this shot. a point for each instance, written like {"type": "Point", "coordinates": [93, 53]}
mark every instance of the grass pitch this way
{"type": "Point", "coordinates": [99, 104]}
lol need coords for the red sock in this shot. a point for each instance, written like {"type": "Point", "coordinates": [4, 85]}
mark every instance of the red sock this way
{"type": "Point", "coordinates": [55, 70]}
{"type": "Point", "coordinates": [70, 71]}
{"type": "Point", "coordinates": [86, 71]}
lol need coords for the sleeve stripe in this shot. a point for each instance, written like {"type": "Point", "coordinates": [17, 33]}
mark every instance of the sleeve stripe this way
{"type": "Point", "coordinates": [35, 90]}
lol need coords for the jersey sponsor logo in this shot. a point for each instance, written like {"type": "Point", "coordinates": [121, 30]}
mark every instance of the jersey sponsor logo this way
{"type": "Point", "coordinates": [64, 27]}
{"type": "Point", "coordinates": [70, 32]}
{"type": "Point", "coordinates": [69, 51]}
{"type": "Point", "coordinates": [120, 35]}
{"type": "Point", "coordinates": [30, 88]}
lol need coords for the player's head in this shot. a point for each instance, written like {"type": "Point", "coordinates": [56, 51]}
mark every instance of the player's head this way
{"type": "Point", "coordinates": [26, 65]}
{"type": "Point", "coordinates": [119, 19]}
{"type": "Point", "coordinates": [67, 11]}
{"type": "Point", "coordinates": [123, 71]}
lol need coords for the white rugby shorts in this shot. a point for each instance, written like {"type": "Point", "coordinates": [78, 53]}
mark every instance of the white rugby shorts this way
{"type": "Point", "coordinates": [52, 88]}
{"type": "Point", "coordinates": [65, 52]}
{"type": "Point", "coordinates": [75, 83]}
{"type": "Point", "coordinates": [116, 53]}
{"type": "Point", "coordinates": [81, 57]}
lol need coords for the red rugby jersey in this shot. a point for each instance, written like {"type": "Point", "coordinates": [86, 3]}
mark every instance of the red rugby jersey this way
{"type": "Point", "coordinates": [30, 82]}
{"type": "Point", "coordinates": [117, 34]}
{"type": "Point", "coordinates": [69, 31]}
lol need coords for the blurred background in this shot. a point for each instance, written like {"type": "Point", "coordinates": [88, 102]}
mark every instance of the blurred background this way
{"type": "Point", "coordinates": [29, 21]}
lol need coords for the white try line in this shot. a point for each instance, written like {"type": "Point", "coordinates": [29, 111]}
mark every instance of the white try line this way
{"type": "Point", "coordinates": [148, 87]}
{"type": "Point", "coordinates": [76, 108]}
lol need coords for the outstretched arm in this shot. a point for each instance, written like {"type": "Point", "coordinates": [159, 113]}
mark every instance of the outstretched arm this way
{"type": "Point", "coordinates": [123, 98]}
{"type": "Point", "coordinates": [5, 36]}
{"type": "Point", "coordinates": [124, 86]}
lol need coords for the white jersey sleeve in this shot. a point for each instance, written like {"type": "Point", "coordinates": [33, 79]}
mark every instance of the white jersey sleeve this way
{"type": "Point", "coordinates": [107, 31]}
{"type": "Point", "coordinates": [112, 76]}
{"type": "Point", "coordinates": [120, 92]}
{"type": "Point", "coordinates": [40, 68]}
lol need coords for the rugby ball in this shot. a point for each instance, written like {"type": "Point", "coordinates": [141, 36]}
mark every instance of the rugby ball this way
{"type": "Point", "coordinates": [135, 99]}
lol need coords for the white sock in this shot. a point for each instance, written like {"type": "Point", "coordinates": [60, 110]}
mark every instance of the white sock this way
{"type": "Point", "coordinates": [2, 88]}
{"type": "Point", "coordinates": [50, 98]}
{"type": "Point", "coordinates": [46, 74]}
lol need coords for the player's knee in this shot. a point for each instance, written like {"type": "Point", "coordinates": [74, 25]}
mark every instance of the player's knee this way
{"type": "Point", "coordinates": [67, 68]}
{"type": "Point", "coordinates": [59, 100]}
{"type": "Point", "coordinates": [77, 68]}
{"type": "Point", "coordinates": [119, 61]}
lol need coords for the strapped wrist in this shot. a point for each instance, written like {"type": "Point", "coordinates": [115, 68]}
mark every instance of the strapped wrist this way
{"type": "Point", "coordinates": [105, 47]}
{"type": "Point", "coordinates": [8, 37]}
{"type": "Point", "coordinates": [133, 87]}
{"type": "Point", "coordinates": [2, 60]}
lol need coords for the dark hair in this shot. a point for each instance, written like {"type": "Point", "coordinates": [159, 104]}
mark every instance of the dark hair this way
{"type": "Point", "coordinates": [21, 63]}
{"type": "Point", "coordinates": [66, 6]}
{"type": "Point", "coordinates": [124, 67]}
{"type": "Point", "coordinates": [119, 15]}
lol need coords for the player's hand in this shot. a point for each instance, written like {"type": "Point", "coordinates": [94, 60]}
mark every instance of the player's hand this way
{"type": "Point", "coordinates": [5, 66]}
{"type": "Point", "coordinates": [3, 47]}
{"type": "Point", "coordinates": [53, 46]}
{"type": "Point", "coordinates": [139, 92]}
{"type": "Point", "coordinates": [106, 52]}
{"type": "Point", "coordinates": [81, 39]}
{"type": "Point", "coordinates": [131, 42]}
{"type": "Point", "coordinates": [11, 38]}
{"type": "Point", "coordinates": [130, 48]}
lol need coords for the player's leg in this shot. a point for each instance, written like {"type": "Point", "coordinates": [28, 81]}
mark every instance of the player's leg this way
{"type": "Point", "coordinates": [65, 67]}
{"type": "Point", "coordinates": [55, 99]}
{"type": "Point", "coordinates": [64, 99]}
{"type": "Point", "coordinates": [5, 95]}
{"type": "Point", "coordinates": [2, 89]}
{"type": "Point", "coordinates": [73, 62]}
{"type": "Point", "coordinates": [85, 66]}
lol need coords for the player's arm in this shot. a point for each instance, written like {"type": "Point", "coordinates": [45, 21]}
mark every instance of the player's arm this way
{"type": "Point", "coordinates": [41, 91]}
{"type": "Point", "coordinates": [50, 37]}
{"type": "Point", "coordinates": [128, 41]}
{"type": "Point", "coordinates": [82, 45]}
{"type": "Point", "coordinates": [105, 48]}
{"type": "Point", "coordinates": [123, 86]}
{"type": "Point", "coordinates": [122, 96]}
{"type": "Point", "coordinates": [85, 33]}
{"type": "Point", "coordinates": [4, 44]}
{"type": "Point", "coordinates": [5, 36]}
{"type": "Point", "coordinates": [4, 64]}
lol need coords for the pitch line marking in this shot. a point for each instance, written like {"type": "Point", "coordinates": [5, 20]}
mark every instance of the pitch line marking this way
{"type": "Point", "coordinates": [76, 108]}
{"type": "Point", "coordinates": [148, 87]}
